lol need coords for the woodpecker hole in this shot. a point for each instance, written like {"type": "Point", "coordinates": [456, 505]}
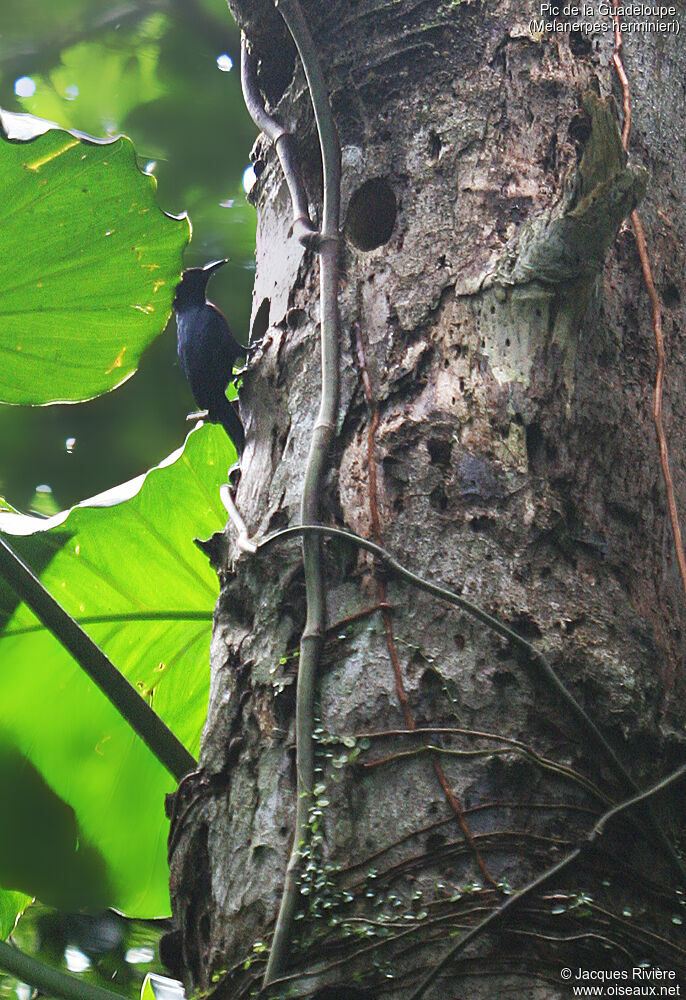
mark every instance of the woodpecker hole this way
{"type": "Point", "coordinates": [579, 45]}
{"type": "Point", "coordinates": [371, 214]}
{"type": "Point", "coordinates": [439, 451]}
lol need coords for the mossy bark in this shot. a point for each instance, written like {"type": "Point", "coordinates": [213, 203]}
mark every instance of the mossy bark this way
{"type": "Point", "coordinates": [508, 341]}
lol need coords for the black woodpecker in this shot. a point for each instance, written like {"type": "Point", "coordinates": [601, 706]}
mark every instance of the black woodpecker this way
{"type": "Point", "coordinates": [207, 350]}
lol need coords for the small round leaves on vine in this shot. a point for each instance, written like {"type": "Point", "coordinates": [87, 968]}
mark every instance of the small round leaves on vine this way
{"type": "Point", "coordinates": [371, 214]}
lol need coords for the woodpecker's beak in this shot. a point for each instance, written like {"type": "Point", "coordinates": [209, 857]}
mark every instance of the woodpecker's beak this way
{"type": "Point", "coordinates": [214, 266]}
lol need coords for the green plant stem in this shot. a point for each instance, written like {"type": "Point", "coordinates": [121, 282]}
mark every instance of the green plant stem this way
{"type": "Point", "coordinates": [169, 750]}
{"type": "Point", "coordinates": [48, 980]}
{"type": "Point", "coordinates": [322, 436]}
{"type": "Point", "coordinates": [506, 632]}
{"type": "Point", "coordinates": [518, 897]}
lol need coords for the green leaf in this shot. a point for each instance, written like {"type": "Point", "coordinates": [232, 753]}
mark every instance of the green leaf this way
{"type": "Point", "coordinates": [125, 565]}
{"type": "Point", "coordinates": [88, 267]}
{"type": "Point", "coordinates": [12, 905]}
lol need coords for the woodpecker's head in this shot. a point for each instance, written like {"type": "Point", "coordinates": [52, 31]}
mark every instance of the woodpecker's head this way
{"type": "Point", "coordinates": [191, 289]}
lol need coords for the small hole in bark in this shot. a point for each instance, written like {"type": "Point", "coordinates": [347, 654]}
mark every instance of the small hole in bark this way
{"type": "Point", "coordinates": [526, 625]}
{"type": "Point", "coordinates": [579, 131]}
{"type": "Point", "coordinates": [260, 324]}
{"type": "Point", "coordinates": [482, 523]}
{"type": "Point", "coordinates": [503, 679]}
{"type": "Point", "coordinates": [434, 843]}
{"type": "Point", "coordinates": [507, 341]}
{"type": "Point", "coordinates": [295, 318]}
{"type": "Point", "coordinates": [431, 692]}
{"type": "Point", "coordinates": [549, 159]}
{"type": "Point", "coordinates": [578, 43]}
{"type": "Point", "coordinates": [670, 295]}
{"type": "Point", "coordinates": [371, 214]}
{"type": "Point", "coordinates": [459, 640]}
{"type": "Point", "coordinates": [438, 499]}
{"type": "Point", "coordinates": [435, 146]}
{"type": "Point", "coordinates": [439, 451]}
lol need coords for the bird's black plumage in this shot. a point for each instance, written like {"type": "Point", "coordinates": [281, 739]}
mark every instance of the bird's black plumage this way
{"type": "Point", "coordinates": [207, 349]}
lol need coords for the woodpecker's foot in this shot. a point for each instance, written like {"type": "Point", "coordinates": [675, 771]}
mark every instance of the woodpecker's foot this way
{"type": "Point", "coordinates": [234, 475]}
{"type": "Point", "coordinates": [247, 350]}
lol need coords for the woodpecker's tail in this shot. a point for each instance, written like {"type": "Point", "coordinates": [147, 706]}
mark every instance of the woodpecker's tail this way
{"type": "Point", "coordinates": [226, 415]}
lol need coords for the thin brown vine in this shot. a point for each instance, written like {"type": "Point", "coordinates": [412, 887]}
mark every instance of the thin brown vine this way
{"type": "Point", "coordinates": [647, 272]}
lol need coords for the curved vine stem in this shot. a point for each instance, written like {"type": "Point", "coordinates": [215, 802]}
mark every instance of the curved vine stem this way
{"type": "Point", "coordinates": [322, 436]}
{"type": "Point", "coordinates": [48, 980]}
{"type": "Point", "coordinates": [541, 661]}
{"type": "Point", "coordinates": [283, 144]}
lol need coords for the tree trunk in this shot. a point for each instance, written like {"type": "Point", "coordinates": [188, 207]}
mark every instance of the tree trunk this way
{"type": "Point", "coordinates": [492, 287]}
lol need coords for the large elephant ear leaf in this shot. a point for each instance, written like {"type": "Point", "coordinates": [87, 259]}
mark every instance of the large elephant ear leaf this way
{"type": "Point", "coordinates": [88, 266]}
{"type": "Point", "coordinates": [125, 566]}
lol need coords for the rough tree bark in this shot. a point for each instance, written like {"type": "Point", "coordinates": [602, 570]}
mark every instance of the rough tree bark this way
{"type": "Point", "coordinates": [497, 290]}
